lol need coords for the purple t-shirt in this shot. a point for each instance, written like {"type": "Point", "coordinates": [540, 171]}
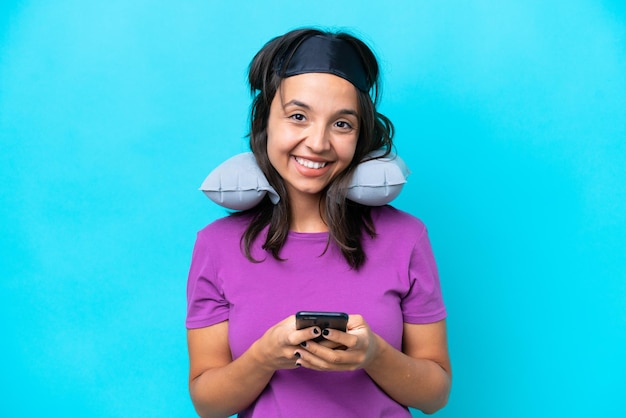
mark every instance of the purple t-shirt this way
{"type": "Point", "coordinates": [398, 283]}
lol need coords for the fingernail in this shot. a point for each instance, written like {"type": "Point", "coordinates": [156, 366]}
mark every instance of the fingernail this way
{"type": "Point", "coordinates": [297, 355]}
{"type": "Point", "coordinates": [325, 333]}
{"type": "Point", "coordinates": [303, 344]}
{"type": "Point", "coordinates": [316, 331]}
{"type": "Point", "coordinates": [298, 364]}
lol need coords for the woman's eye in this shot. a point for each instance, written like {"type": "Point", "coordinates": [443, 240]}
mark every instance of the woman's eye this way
{"type": "Point", "coordinates": [297, 116]}
{"type": "Point", "coordinates": [343, 124]}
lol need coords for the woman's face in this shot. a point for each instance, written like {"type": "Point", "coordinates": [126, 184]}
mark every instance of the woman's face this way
{"type": "Point", "coordinates": [312, 131]}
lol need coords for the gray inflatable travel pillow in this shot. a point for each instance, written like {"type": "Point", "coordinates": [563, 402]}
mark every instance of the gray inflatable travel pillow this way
{"type": "Point", "coordinates": [239, 184]}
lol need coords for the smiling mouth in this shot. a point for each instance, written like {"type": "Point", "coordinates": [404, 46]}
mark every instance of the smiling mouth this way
{"type": "Point", "coordinates": [310, 164]}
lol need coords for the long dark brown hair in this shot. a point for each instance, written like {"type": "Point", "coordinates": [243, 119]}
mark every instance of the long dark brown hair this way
{"type": "Point", "coordinates": [346, 220]}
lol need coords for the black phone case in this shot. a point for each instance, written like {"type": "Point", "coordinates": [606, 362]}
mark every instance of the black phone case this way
{"type": "Point", "coordinates": [333, 320]}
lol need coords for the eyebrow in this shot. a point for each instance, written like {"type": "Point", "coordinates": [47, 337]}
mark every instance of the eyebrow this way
{"type": "Point", "coordinates": [303, 105]}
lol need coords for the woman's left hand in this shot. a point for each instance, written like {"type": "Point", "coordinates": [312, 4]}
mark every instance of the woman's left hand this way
{"type": "Point", "coordinates": [350, 350]}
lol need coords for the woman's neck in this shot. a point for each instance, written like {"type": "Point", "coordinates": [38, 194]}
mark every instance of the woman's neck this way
{"type": "Point", "coordinates": [306, 215]}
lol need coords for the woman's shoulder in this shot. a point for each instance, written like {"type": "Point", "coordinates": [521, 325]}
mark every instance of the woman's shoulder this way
{"type": "Point", "coordinates": [390, 218]}
{"type": "Point", "coordinates": [226, 226]}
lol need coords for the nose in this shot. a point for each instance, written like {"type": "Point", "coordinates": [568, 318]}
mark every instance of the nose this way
{"type": "Point", "coordinates": [318, 139]}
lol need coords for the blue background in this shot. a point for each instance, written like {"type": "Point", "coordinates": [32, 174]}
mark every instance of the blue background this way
{"type": "Point", "coordinates": [510, 114]}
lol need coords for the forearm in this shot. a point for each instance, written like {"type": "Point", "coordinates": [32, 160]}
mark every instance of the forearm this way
{"type": "Point", "coordinates": [224, 391]}
{"type": "Point", "coordinates": [418, 383]}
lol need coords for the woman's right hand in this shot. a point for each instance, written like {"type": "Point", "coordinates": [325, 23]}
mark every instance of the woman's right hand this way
{"type": "Point", "coordinates": [221, 386]}
{"type": "Point", "coordinates": [276, 349]}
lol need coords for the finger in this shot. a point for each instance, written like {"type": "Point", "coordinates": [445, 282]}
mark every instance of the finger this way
{"type": "Point", "coordinates": [305, 334]}
{"type": "Point", "coordinates": [355, 321]}
{"type": "Point", "coordinates": [319, 358]}
{"type": "Point", "coordinates": [332, 345]}
{"type": "Point", "coordinates": [340, 338]}
{"type": "Point", "coordinates": [297, 356]}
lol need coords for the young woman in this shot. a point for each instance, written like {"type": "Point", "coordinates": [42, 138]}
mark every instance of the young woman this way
{"type": "Point", "coordinates": [313, 120]}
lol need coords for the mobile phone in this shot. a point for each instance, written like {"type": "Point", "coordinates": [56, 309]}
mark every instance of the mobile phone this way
{"type": "Point", "coordinates": [333, 320]}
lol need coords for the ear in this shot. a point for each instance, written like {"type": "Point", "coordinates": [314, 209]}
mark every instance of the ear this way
{"type": "Point", "coordinates": [239, 184]}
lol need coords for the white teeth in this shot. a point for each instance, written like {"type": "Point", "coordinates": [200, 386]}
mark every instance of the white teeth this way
{"type": "Point", "coordinates": [309, 163]}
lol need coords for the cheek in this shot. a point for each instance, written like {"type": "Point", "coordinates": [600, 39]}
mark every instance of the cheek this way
{"type": "Point", "coordinates": [275, 150]}
{"type": "Point", "coordinates": [348, 150]}
{"type": "Point", "coordinates": [275, 136]}
{"type": "Point", "coordinates": [271, 141]}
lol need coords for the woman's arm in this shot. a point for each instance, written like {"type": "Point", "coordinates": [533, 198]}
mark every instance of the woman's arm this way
{"type": "Point", "coordinates": [221, 387]}
{"type": "Point", "coordinates": [418, 377]}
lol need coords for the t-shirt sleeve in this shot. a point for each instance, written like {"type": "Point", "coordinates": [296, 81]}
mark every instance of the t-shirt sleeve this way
{"type": "Point", "coordinates": [423, 303]}
{"type": "Point", "coordinates": [206, 304]}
